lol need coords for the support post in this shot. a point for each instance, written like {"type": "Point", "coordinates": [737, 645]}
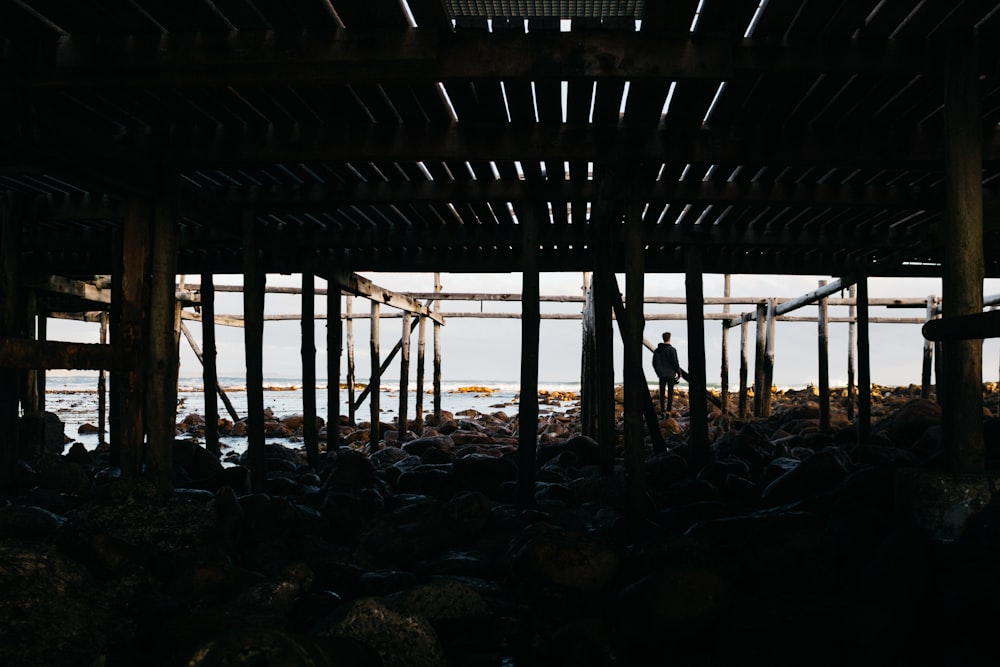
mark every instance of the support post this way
{"type": "Point", "coordinates": [759, 367]}
{"type": "Point", "coordinates": [102, 387]}
{"type": "Point", "coordinates": [772, 316]}
{"type": "Point", "coordinates": [436, 380]}
{"type": "Point", "coordinates": [421, 358]}
{"type": "Point", "coordinates": [694, 293]}
{"type": "Point", "coordinates": [310, 432]}
{"type": "Point", "coordinates": [607, 436]}
{"type": "Point", "coordinates": [136, 245]}
{"type": "Point", "coordinates": [588, 376]}
{"type": "Point", "coordinates": [864, 365]}
{"type": "Point", "coordinates": [164, 337]}
{"type": "Point", "coordinates": [852, 347]}
{"type": "Point", "coordinates": [10, 256]}
{"type": "Point", "coordinates": [375, 379]}
{"type": "Point", "coordinates": [209, 365]}
{"type": "Point", "coordinates": [635, 277]}
{"type": "Point", "coordinates": [254, 284]}
{"type": "Point", "coordinates": [724, 371]}
{"type": "Point", "coordinates": [351, 379]}
{"type": "Point", "coordinates": [928, 357]}
{"type": "Point", "coordinates": [40, 375]}
{"type": "Point", "coordinates": [962, 280]}
{"type": "Point", "coordinates": [744, 408]}
{"type": "Point", "coordinates": [404, 376]}
{"type": "Point", "coordinates": [334, 344]}
{"type": "Point", "coordinates": [527, 412]}
{"type": "Point", "coordinates": [824, 361]}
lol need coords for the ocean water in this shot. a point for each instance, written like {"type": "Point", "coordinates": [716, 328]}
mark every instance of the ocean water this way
{"type": "Point", "coordinates": [74, 398]}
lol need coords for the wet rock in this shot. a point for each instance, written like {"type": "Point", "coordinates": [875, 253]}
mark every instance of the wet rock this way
{"type": "Point", "coordinates": [78, 454]}
{"type": "Point", "coordinates": [200, 464]}
{"type": "Point", "coordinates": [351, 470]}
{"type": "Point", "coordinates": [680, 599]}
{"type": "Point", "coordinates": [87, 429]}
{"type": "Point", "coordinates": [40, 432]}
{"type": "Point", "coordinates": [58, 473]}
{"type": "Point", "coordinates": [401, 640]}
{"type": "Point", "coordinates": [907, 424]}
{"type": "Point", "coordinates": [28, 522]}
{"type": "Point", "coordinates": [271, 646]}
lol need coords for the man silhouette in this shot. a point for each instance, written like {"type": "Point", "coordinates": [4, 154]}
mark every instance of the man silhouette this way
{"type": "Point", "coordinates": [668, 369]}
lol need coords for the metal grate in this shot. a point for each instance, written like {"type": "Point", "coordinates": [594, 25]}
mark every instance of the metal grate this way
{"type": "Point", "coordinates": [564, 9]}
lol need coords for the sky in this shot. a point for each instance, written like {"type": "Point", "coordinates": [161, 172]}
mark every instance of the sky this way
{"type": "Point", "coordinates": [488, 350]}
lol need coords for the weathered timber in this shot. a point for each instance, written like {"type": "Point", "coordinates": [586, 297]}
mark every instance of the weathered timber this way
{"type": "Point", "coordinates": [404, 375]}
{"type": "Point", "coordinates": [9, 279]}
{"type": "Point", "coordinates": [636, 389]}
{"type": "Point", "coordinates": [823, 357]}
{"type": "Point", "coordinates": [697, 369]}
{"type": "Point", "coordinates": [136, 267]}
{"type": "Point", "coordinates": [375, 377]}
{"type": "Point", "coordinates": [384, 366]}
{"type": "Point", "coordinates": [436, 370]}
{"type": "Point", "coordinates": [605, 294]}
{"type": "Point", "coordinates": [962, 282]}
{"type": "Point", "coordinates": [864, 365]}
{"type": "Point", "coordinates": [254, 281]}
{"type": "Point", "coordinates": [363, 287]}
{"type": "Point", "coordinates": [963, 327]}
{"type": "Point", "coordinates": [769, 356]}
{"type": "Point", "coordinates": [351, 409]}
{"type": "Point", "coordinates": [102, 386]}
{"type": "Point", "coordinates": [310, 432]}
{"type": "Point", "coordinates": [209, 364]}
{"type": "Point", "coordinates": [852, 346]}
{"type": "Point", "coordinates": [527, 413]}
{"type": "Point", "coordinates": [334, 346]}
{"type": "Point", "coordinates": [927, 363]}
{"type": "Point", "coordinates": [760, 386]}
{"type": "Point", "coordinates": [162, 337]}
{"type": "Point", "coordinates": [421, 358]}
{"type": "Point", "coordinates": [724, 371]}
{"type": "Point", "coordinates": [744, 363]}
{"type": "Point", "coordinates": [27, 353]}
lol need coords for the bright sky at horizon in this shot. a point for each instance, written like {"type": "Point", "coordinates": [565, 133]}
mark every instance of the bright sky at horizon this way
{"type": "Point", "coordinates": [488, 350]}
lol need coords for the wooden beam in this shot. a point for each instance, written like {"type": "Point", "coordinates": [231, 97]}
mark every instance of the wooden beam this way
{"type": "Point", "coordinates": [26, 353]}
{"type": "Point", "coordinates": [636, 389]}
{"type": "Point", "coordinates": [697, 371]}
{"type": "Point", "coordinates": [375, 379]}
{"type": "Point", "coordinates": [432, 54]}
{"type": "Point", "coordinates": [823, 354]}
{"type": "Point", "coordinates": [310, 433]}
{"type": "Point", "coordinates": [527, 412]}
{"type": "Point", "coordinates": [254, 280]}
{"type": "Point", "coordinates": [864, 366]}
{"type": "Point", "coordinates": [404, 375]}
{"type": "Point", "coordinates": [334, 347]}
{"type": "Point", "coordinates": [361, 286]}
{"type": "Point", "coordinates": [129, 419]}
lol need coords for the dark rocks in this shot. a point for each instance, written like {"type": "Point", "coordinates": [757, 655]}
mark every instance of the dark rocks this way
{"type": "Point", "coordinates": [813, 475]}
{"type": "Point", "coordinates": [553, 555]}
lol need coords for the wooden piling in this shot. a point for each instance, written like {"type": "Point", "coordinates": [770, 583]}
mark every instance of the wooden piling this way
{"type": "Point", "coordinates": [116, 377]}
{"type": "Point", "coordinates": [209, 362]}
{"type": "Point", "coordinates": [163, 341]}
{"type": "Point", "coordinates": [864, 365]}
{"type": "Point", "coordinates": [134, 309]}
{"type": "Point", "coordinates": [404, 376]}
{"type": "Point", "coordinates": [40, 374]}
{"type": "Point", "coordinates": [694, 291]}
{"type": "Point", "coordinates": [760, 386]}
{"type": "Point", "coordinates": [928, 357]}
{"type": "Point", "coordinates": [421, 356]}
{"type": "Point", "coordinates": [962, 280]}
{"type": "Point", "coordinates": [254, 284]}
{"type": "Point", "coordinates": [527, 412]}
{"type": "Point", "coordinates": [607, 436]}
{"type": "Point", "coordinates": [375, 380]}
{"type": "Point", "coordinates": [102, 388]}
{"type": "Point", "coordinates": [724, 371]}
{"type": "Point", "coordinates": [10, 254]}
{"type": "Point", "coordinates": [310, 432]}
{"type": "Point", "coordinates": [351, 410]}
{"type": "Point", "coordinates": [823, 355]}
{"type": "Point", "coordinates": [636, 391]}
{"type": "Point", "coordinates": [772, 316]}
{"type": "Point", "coordinates": [744, 363]}
{"type": "Point", "coordinates": [436, 379]}
{"type": "Point", "coordinates": [852, 346]}
{"type": "Point", "coordinates": [334, 344]}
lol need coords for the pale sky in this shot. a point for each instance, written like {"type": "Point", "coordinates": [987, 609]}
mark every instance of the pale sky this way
{"type": "Point", "coordinates": [486, 350]}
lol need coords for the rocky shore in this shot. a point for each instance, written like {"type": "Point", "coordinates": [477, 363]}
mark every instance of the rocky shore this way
{"type": "Point", "coordinates": [787, 548]}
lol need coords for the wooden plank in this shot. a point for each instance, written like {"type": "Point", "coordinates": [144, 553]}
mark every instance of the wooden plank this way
{"type": "Point", "coordinates": [10, 260]}
{"type": "Point", "coordinates": [363, 287]}
{"type": "Point", "coordinates": [102, 388]}
{"type": "Point", "coordinates": [208, 357]}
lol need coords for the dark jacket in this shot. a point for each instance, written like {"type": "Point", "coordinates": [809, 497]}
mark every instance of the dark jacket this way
{"type": "Point", "coordinates": [665, 362]}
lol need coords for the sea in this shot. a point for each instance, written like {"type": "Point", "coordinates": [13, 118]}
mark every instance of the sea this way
{"type": "Point", "coordinates": [74, 399]}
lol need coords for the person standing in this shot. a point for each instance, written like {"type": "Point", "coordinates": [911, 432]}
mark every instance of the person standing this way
{"type": "Point", "coordinates": [668, 369]}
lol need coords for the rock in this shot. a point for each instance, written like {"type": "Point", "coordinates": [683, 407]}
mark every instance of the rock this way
{"type": "Point", "coordinates": [199, 463]}
{"type": "Point", "coordinates": [78, 454]}
{"type": "Point", "coordinates": [478, 472]}
{"type": "Point", "coordinates": [418, 446]}
{"type": "Point", "coordinates": [908, 423]}
{"type": "Point", "coordinates": [547, 553]}
{"type": "Point", "coordinates": [28, 522]}
{"type": "Point", "coordinates": [87, 429]}
{"type": "Point", "coordinates": [40, 432]}
{"type": "Point", "coordinates": [351, 470]}
{"type": "Point", "coordinates": [271, 646]}
{"type": "Point", "coordinates": [680, 599]}
{"type": "Point", "coordinates": [664, 469]}
{"type": "Point", "coordinates": [401, 640]}
{"type": "Point", "coordinates": [56, 472]}
{"type": "Point", "coordinates": [817, 473]}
